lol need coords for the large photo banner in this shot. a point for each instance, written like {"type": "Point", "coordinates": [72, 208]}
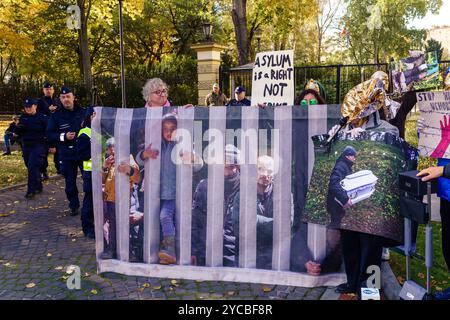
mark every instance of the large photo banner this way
{"type": "Point", "coordinates": [211, 194]}
{"type": "Point", "coordinates": [354, 186]}
{"type": "Point", "coordinates": [434, 139]}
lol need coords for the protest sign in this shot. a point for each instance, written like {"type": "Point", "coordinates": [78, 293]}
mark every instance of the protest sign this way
{"type": "Point", "coordinates": [435, 137]}
{"type": "Point", "coordinates": [355, 186]}
{"type": "Point", "coordinates": [273, 78]}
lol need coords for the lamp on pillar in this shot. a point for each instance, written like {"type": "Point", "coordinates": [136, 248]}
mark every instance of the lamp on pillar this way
{"type": "Point", "coordinates": [258, 35]}
{"type": "Point", "coordinates": [207, 28]}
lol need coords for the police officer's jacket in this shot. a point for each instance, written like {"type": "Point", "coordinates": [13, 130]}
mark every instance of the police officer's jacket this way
{"type": "Point", "coordinates": [46, 102]}
{"type": "Point", "coordinates": [61, 122]}
{"type": "Point", "coordinates": [84, 146]}
{"type": "Point", "coordinates": [31, 129]}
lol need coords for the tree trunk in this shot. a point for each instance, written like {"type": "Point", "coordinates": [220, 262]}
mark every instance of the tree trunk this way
{"type": "Point", "coordinates": [239, 15]}
{"type": "Point", "coordinates": [319, 49]}
{"type": "Point", "coordinates": [85, 57]}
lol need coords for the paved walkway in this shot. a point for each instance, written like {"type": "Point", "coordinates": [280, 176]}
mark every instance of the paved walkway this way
{"type": "Point", "coordinates": [39, 240]}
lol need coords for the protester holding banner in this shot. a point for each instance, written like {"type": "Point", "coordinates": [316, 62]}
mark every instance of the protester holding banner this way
{"type": "Point", "coordinates": [312, 94]}
{"type": "Point", "coordinates": [361, 107]}
{"type": "Point", "coordinates": [156, 92]}
{"type": "Point", "coordinates": [362, 104]}
{"type": "Point", "coordinates": [442, 171]}
{"type": "Point", "coordinates": [239, 98]}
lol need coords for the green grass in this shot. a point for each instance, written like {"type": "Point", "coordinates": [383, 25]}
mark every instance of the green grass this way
{"type": "Point", "coordinates": [12, 167]}
{"type": "Point", "coordinates": [13, 170]}
{"type": "Point", "coordinates": [4, 124]}
{"type": "Point", "coordinates": [440, 274]}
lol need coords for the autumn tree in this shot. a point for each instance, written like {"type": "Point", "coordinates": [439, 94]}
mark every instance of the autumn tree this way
{"type": "Point", "coordinates": [379, 28]}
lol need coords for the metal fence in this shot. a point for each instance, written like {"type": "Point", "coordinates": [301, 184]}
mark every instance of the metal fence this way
{"type": "Point", "coordinates": [182, 90]}
{"type": "Point", "coordinates": [337, 80]}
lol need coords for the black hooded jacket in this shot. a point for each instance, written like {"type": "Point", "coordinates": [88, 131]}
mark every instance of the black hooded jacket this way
{"type": "Point", "coordinates": [231, 219]}
{"type": "Point", "coordinates": [337, 197]}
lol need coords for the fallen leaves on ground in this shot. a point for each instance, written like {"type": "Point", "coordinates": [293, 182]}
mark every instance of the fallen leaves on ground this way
{"type": "Point", "coordinates": [267, 289]}
{"type": "Point", "coordinates": [157, 287]}
{"type": "Point", "coordinates": [30, 285]}
{"type": "Point", "coordinates": [93, 291]}
{"type": "Point", "coordinates": [401, 280]}
{"type": "Point", "coordinates": [70, 269]}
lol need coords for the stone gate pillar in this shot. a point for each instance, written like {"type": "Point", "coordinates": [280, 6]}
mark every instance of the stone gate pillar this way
{"type": "Point", "coordinates": [208, 63]}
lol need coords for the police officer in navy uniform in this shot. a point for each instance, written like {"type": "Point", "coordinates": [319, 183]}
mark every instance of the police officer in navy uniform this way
{"type": "Point", "coordinates": [48, 105]}
{"type": "Point", "coordinates": [84, 152]}
{"type": "Point", "coordinates": [63, 128]}
{"type": "Point", "coordinates": [32, 128]}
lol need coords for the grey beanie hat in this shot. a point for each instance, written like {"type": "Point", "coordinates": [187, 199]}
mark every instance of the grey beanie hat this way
{"type": "Point", "coordinates": [232, 154]}
{"type": "Point", "coordinates": [349, 151]}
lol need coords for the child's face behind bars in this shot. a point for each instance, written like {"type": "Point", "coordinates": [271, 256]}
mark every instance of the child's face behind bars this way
{"type": "Point", "coordinates": [168, 129]}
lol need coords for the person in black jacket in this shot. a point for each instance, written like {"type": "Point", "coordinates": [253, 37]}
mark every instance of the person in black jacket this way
{"type": "Point", "coordinates": [360, 250]}
{"type": "Point", "coordinates": [231, 212]}
{"type": "Point", "coordinates": [48, 105]}
{"type": "Point", "coordinates": [442, 172]}
{"type": "Point", "coordinates": [62, 129]}
{"type": "Point", "coordinates": [84, 153]}
{"type": "Point", "coordinates": [240, 100]}
{"type": "Point", "coordinates": [31, 129]}
{"type": "Point", "coordinates": [337, 199]}
{"type": "Point", "coordinates": [337, 202]}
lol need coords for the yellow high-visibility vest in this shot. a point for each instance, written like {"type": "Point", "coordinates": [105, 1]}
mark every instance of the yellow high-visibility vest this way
{"type": "Point", "coordinates": [87, 165]}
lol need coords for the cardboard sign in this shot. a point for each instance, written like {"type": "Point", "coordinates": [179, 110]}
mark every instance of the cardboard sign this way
{"type": "Point", "coordinates": [273, 78]}
{"type": "Point", "coordinates": [434, 139]}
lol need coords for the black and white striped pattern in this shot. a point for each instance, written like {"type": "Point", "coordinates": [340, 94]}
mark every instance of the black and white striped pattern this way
{"type": "Point", "coordinates": [290, 142]}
